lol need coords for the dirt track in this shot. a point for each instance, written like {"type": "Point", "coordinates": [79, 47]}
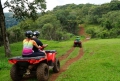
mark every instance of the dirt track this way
{"type": "Point", "coordinates": [53, 77]}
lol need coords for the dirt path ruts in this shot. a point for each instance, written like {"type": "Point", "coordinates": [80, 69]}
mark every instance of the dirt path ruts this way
{"type": "Point", "coordinates": [53, 77]}
{"type": "Point", "coordinates": [66, 55]}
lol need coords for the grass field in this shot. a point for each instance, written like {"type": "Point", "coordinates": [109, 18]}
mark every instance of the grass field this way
{"type": "Point", "coordinates": [100, 61]}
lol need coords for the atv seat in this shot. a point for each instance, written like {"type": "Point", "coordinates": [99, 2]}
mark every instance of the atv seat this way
{"type": "Point", "coordinates": [26, 58]}
{"type": "Point", "coordinates": [50, 51]}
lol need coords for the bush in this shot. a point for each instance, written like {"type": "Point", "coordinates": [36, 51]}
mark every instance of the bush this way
{"type": "Point", "coordinates": [103, 34]}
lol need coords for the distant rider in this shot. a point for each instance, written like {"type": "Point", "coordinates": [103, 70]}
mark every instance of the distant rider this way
{"type": "Point", "coordinates": [77, 39]}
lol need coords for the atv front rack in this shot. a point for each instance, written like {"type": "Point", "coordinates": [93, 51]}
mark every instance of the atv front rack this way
{"type": "Point", "coordinates": [50, 51]}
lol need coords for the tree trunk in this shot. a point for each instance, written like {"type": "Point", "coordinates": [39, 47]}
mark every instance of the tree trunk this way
{"type": "Point", "coordinates": [3, 32]}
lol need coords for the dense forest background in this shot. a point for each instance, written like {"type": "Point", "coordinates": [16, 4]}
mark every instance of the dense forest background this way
{"type": "Point", "coordinates": [62, 22]}
{"type": "Point", "coordinates": [9, 20]}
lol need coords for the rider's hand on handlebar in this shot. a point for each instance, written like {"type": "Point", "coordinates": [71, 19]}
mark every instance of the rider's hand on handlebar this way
{"type": "Point", "coordinates": [45, 45]}
{"type": "Point", "coordinates": [40, 47]}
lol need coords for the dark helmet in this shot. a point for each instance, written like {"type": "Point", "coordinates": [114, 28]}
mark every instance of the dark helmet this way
{"type": "Point", "coordinates": [36, 33]}
{"type": "Point", "coordinates": [29, 34]}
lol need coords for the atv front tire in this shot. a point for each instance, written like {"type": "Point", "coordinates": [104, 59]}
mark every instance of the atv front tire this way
{"type": "Point", "coordinates": [56, 67]}
{"type": "Point", "coordinates": [42, 72]}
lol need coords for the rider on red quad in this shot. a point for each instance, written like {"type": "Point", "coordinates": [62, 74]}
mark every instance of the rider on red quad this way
{"type": "Point", "coordinates": [77, 42]}
{"type": "Point", "coordinates": [28, 45]}
{"type": "Point", "coordinates": [39, 43]}
{"type": "Point", "coordinates": [30, 64]}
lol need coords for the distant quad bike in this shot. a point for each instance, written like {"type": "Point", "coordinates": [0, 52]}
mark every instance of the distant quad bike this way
{"type": "Point", "coordinates": [38, 66]}
{"type": "Point", "coordinates": [77, 44]}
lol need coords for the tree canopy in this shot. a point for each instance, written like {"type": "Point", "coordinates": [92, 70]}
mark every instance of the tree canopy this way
{"type": "Point", "coordinates": [63, 21]}
{"type": "Point", "coordinates": [23, 9]}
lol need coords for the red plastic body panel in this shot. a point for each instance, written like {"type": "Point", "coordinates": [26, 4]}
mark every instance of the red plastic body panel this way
{"type": "Point", "coordinates": [51, 56]}
{"type": "Point", "coordinates": [33, 60]}
{"type": "Point", "coordinates": [75, 42]}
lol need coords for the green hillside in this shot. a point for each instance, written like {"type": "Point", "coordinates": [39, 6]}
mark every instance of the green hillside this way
{"type": "Point", "coordinates": [58, 29]}
{"type": "Point", "coordinates": [100, 61]}
{"type": "Point", "coordinates": [9, 20]}
{"type": "Point", "coordinates": [63, 22]}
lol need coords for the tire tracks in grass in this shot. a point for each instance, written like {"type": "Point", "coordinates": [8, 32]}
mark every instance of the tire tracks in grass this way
{"type": "Point", "coordinates": [67, 54]}
{"type": "Point", "coordinates": [54, 76]}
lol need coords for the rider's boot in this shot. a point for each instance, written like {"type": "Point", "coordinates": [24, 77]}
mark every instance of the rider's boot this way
{"type": "Point", "coordinates": [27, 72]}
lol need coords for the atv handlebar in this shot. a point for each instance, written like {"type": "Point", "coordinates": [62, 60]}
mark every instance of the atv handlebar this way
{"type": "Point", "coordinates": [42, 47]}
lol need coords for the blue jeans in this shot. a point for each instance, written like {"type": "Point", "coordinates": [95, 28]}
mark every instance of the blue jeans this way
{"type": "Point", "coordinates": [35, 54]}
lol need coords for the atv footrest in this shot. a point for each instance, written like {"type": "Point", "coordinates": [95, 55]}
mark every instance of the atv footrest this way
{"type": "Point", "coordinates": [50, 51]}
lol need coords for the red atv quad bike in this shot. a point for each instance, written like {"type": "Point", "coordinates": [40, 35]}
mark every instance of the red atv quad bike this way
{"type": "Point", "coordinates": [38, 66]}
{"type": "Point", "coordinates": [77, 44]}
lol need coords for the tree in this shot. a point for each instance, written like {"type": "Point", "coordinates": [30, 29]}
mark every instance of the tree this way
{"type": "Point", "coordinates": [21, 9]}
{"type": "Point", "coordinates": [48, 25]}
{"type": "Point", "coordinates": [3, 32]}
{"type": "Point", "coordinates": [115, 5]}
{"type": "Point", "coordinates": [72, 23]}
{"type": "Point", "coordinates": [114, 0]}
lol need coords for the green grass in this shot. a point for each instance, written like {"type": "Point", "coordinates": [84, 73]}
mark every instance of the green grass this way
{"type": "Point", "coordinates": [100, 62]}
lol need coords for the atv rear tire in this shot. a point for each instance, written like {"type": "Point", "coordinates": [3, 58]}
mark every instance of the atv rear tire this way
{"type": "Point", "coordinates": [56, 67]}
{"type": "Point", "coordinates": [42, 72]}
{"type": "Point", "coordinates": [14, 73]}
{"type": "Point", "coordinates": [74, 45]}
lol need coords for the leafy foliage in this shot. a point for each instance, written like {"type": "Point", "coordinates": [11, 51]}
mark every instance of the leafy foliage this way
{"type": "Point", "coordinates": [63, 21]}
{"type": "Point", "coordinates": [10, 21]}
{"type": "Point", "coordinates": [23, 9]}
